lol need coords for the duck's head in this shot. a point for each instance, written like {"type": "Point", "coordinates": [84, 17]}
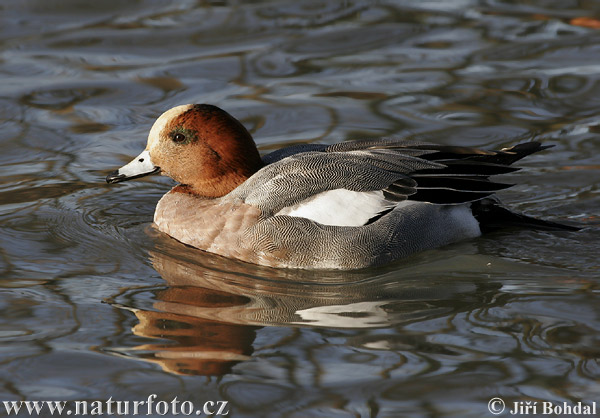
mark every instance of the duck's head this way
{"type": "Point", "coordinates": [201, 146]}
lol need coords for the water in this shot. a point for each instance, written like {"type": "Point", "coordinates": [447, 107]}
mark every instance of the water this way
{"type": "Point", "coordinates": [95, 303]}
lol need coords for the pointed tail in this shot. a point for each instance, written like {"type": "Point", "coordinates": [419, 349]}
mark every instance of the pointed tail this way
{"type": "Point", "coordinates": [491, 216]}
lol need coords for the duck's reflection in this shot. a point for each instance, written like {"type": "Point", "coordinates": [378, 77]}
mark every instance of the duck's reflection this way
{"type": "Point", "coordinates": [198, 346]}
{"type": "Point", "coordinates": [213, 307]}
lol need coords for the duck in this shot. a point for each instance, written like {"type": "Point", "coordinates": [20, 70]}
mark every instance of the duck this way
{"type": "Point", "coordinates": [344, 206]}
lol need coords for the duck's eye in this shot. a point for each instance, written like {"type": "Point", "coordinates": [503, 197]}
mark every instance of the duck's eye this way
{"type": "Point", "coordinates": [182, 136]}
{"type": "Point", "coordinates": [179, 138]}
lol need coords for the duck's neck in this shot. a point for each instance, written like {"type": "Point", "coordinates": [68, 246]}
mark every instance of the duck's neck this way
{"type": "Point", "coordinates": [222, 184]}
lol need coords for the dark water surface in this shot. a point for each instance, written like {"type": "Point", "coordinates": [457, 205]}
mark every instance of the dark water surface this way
{"type": "Point", "coordinates": [95, 303]}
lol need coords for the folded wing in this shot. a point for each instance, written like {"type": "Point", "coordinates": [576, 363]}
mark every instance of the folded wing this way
{"type": "Point", "coordinates": [354, 183]}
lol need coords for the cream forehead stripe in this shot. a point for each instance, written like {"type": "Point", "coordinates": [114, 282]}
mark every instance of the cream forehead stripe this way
{"type": "Point", "coordinates": [161, 122]}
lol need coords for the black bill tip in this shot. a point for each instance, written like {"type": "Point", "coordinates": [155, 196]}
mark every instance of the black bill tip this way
{"type": "Point", "coordinates": [115, 177]}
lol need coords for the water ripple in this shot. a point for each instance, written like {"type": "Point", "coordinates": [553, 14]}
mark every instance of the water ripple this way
{"type": "Point", "coordinates": [512, 314]}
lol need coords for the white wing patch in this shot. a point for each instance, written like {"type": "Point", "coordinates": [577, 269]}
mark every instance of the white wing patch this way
{"type": "Point", "coordinates": [340, 207]}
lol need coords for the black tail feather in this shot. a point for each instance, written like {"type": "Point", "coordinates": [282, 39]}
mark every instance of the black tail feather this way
{"type": "Point", "coordinates": [465, 174]}
{"type": "Point", "coordinates": [505, 156]}
{"type": "Point", "coordinates": [467, 168]}
{"type": "Point", "coordinates": [492, 216]}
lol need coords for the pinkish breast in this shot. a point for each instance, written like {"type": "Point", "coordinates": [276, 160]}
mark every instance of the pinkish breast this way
{"type": "Point", "coordinates": [213, 225]}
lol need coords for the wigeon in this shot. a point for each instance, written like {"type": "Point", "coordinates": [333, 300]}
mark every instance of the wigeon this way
{"type": "Point", "coordinates": [343, 206]}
